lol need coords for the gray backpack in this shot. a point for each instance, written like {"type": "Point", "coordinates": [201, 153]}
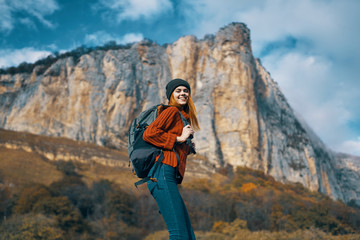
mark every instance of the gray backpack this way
{"type": "Point", "coordinates": [143, 154]}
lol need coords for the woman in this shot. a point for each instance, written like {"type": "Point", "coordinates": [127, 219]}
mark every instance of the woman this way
{"type": "Point", "coordinates": [169, 133]}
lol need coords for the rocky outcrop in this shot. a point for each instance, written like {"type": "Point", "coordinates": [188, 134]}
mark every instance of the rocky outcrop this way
{"type": "Point", "coordinates": [245, 119]}
{"type": "Point", "coordinates": [347, 171]}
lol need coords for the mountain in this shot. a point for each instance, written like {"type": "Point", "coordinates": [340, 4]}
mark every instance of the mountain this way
{"type": "Point", "coordinates": [244, 117]}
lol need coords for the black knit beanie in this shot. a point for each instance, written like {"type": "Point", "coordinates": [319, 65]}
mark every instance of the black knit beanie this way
{"type": "Point", "coordinates": [173, 84]}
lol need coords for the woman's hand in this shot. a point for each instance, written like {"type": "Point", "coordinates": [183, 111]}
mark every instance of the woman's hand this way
{"type": "Point", "coordinates": [187, 131]}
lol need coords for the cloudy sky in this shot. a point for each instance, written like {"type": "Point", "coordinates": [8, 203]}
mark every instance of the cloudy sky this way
{"type": "Point", "coordinates": [310, 47]}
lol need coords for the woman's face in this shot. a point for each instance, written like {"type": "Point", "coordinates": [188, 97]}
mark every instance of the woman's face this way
{"type": "Point", "coordinates": [181, 95]}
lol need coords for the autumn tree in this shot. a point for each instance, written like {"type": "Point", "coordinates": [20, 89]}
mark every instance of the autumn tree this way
{"type": "Point", "coordinates": [29, 196]}
{"type": "Point", "coordinates": [30, 227]}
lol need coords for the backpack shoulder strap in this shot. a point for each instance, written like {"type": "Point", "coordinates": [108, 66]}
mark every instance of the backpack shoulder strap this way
{"type": "Point", "coordinates": [185, 122]}
{"type": "Point", "coordinates": [161, 157]}
{"type": "Point", "coordinates": [183, 119]}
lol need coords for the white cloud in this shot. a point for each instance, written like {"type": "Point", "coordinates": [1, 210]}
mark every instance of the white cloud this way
{"type": "Point", "coordinates": [29, 9]}
{"type": "Point", "coordinates": [11, 57]}
{"type": "Point", "coordinates": [350, 146]}
{"type": "Point", "coordinates": [131, 37]}
{"type": "Point", "coordinates": [301, 76]}
{"type": "Point", "coordinates": [318, 73]}
{"type": "Point", "coordinates": [207, 16]}
{"type": "Point", "coordinates": [102, 37]}
{"type": "Point", "coordinates": [135, 9]}
{"type": "Point", "coordinates": [6, 21]}
{"type": "Point", "coordinates": [327, 23]}
{"type": "Point", "coordinates": [98, 38]}
{"type": "Point", "coordinates": [313, 91]}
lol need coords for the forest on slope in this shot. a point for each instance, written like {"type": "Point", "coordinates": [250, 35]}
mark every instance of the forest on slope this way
{"type": "Point", "coordinates": [72, 200]}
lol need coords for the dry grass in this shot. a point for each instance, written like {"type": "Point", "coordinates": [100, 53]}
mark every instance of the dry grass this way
{"type": "Point", "coordinates": [18, 168]}
{"type": "Point", "coordinates": [7, 135]}
{"type": "Point", "coordinates": [62, 145]}
{"type": "Point", "coordinates": [122, 176]}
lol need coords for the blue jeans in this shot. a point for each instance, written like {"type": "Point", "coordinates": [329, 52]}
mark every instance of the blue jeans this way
{"type": "Point", "coordinates": [170, 202]}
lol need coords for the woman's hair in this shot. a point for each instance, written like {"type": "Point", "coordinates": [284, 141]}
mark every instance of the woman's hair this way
{"type": "Point", "coordinates": [190, 109]}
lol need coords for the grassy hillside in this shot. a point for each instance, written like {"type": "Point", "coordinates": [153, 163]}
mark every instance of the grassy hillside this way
{"type": "Point", "coordinates": [87, 199]}
{"type": "Point", "coordinates": [25, 159]}
{"type": "Point", "coordinates": [18, 167]}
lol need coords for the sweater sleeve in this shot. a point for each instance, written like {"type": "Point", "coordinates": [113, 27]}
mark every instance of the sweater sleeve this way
{"type": "Point", "coordinates": [158, 132]}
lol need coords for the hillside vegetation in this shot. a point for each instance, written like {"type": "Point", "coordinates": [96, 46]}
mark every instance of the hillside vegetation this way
{"type": "Point", "coordinates": [42, 199]}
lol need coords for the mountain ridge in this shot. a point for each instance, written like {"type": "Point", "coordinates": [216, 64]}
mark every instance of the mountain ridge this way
{"type": "Point", "coordinates": [244, 117]}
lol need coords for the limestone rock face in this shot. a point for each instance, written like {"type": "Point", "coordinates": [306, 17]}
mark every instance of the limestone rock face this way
{"type": "Point", "coordinates": [245, 120]}
{"type": "Point", "coordinates": [348, 168]}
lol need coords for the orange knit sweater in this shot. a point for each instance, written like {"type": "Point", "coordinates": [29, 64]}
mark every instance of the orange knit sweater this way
{"type": "Point", "coordinates": [163, 132]}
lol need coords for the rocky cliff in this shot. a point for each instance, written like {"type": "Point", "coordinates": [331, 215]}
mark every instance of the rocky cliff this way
{"type": "Point", "coordinates": [245, 119]}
